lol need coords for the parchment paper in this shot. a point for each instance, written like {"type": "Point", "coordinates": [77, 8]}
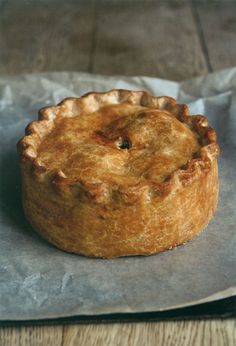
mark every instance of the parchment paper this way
{"type": "Point", "coordinates": [39, 281]}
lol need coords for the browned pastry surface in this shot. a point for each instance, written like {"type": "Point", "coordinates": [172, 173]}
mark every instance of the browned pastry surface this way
{"type": "Point", "coordinates": [119, 173]}
{"type": "Point", "coordinates": [89, 147]}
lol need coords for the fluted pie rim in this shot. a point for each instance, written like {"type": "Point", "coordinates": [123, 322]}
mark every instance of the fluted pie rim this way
{"type": "Point", "coordinates": [36, 131]}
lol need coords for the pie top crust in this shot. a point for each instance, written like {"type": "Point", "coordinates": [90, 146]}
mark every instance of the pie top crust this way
{"type": "Point", "coordinates": [122, 143]}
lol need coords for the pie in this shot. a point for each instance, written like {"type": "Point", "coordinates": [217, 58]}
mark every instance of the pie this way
{"type": "Point", "coordinates": [119, 173]}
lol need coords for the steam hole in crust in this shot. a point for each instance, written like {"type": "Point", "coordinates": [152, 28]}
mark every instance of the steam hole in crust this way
{"type": "Point", "coordinates": [124, 143]}
{"type": "Point", "coordinates": [166, 179]}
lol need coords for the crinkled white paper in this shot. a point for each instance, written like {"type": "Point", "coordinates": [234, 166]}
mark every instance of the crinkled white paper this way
{"type": "Point", "coordinates": [40, 281]}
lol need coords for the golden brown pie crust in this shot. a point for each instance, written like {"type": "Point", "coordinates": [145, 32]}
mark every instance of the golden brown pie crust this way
{"type": "Point", "coordinates": [119, 173]}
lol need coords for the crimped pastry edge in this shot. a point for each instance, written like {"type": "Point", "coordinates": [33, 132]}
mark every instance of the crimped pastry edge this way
{"type": "Point", "coordinates": [91, 102]}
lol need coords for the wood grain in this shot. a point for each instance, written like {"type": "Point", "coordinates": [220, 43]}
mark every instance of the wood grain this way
{"type": "Point", "coordinates": [45, 36]}
{"type": "Point", "coordinates": [149, 38]}
{"type": "Point", "coordinates": [184, 333]}
{"type": "Point", "coordinates": [217, 21]}
{"type": "Point", "coordinates": [111, 37]}
{"type": "Point", "coordinates": [31, 336]}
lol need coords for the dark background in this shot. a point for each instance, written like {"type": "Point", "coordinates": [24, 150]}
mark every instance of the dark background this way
{"type": "Point", "coordinates": [168, 39]}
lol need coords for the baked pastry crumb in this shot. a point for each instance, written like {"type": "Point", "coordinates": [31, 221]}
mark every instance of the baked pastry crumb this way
{"type": "Point", "coordinates": [119, 173]}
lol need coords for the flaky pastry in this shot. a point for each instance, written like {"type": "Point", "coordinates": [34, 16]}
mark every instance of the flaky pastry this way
{"type": "Point", "coordinates": [119, 173]}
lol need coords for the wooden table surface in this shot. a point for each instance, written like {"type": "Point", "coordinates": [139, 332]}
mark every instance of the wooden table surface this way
{"type": "Point", "coordinates": [169, 39]}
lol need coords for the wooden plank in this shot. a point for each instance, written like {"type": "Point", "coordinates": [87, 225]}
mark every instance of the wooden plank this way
{"type": "Point", "coordinates": [184, 333]}
{"type": "Point", "coordinates": [147, 38]}
{"type": "Point", "coordinates": [41, 35]}
{"type": "Point", "coordinates": [31, 336]}
{"type": "Point", "coordinates": [217, 21]}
